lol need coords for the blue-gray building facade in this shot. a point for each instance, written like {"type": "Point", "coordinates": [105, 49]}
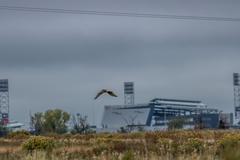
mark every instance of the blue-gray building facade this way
{"type": "Point", "coordinates": [158, 113]}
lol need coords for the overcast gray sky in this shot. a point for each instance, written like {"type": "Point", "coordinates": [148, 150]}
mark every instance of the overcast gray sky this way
{"type": "Point", "coordinates": [61, 60]}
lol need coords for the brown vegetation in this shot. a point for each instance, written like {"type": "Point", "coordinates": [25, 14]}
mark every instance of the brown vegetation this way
{"type": "Point", "coordinates": [168, 145]}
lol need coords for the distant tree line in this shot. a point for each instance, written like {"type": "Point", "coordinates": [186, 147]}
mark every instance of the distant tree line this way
{"type": "Point", "coordinates": [58, 121]}
{"type": "Point", "coordinates": [55, 121]}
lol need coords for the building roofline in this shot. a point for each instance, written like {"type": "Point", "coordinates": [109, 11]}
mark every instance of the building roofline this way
{"type": "Point", "coordinates": [175, 100]}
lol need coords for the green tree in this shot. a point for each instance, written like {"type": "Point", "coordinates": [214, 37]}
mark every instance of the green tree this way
{"type": "Point", "coordinates": [80, 124]}
{"type": "Point", "coordinates": [176, 123]}
{"type": "Point", "coordinates": [37, 123]}
{"type": "Point", "coordinates": [51, 121]}
{"type": "Point", "coordinates": [55, 121]}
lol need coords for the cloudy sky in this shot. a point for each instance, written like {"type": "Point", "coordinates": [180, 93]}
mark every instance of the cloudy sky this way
{"type": "Point", "coordinates": [61, 60]}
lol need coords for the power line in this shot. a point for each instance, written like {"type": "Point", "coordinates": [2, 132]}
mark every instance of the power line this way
{"type": "Point", "coordinates": [123, 14]}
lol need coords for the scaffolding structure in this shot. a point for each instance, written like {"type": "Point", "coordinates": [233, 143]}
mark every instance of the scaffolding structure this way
{"type": "Point", "coordinates": [236, 88]}
{"type": "Point", "coordinates": [128, 93]}
{"type": "Point", "coordinates": [4, 102]}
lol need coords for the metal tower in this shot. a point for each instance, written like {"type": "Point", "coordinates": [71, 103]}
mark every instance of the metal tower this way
{"type": "Point", "coordinates": [4, 101]}
{"type": "Point", "coordinates": [128, 93]}
{"type": "Point", "coordinates": [236, 85]}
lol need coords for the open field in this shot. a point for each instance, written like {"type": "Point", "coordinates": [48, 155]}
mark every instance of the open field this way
{"type": "Point", "coordinates": [169, 145]}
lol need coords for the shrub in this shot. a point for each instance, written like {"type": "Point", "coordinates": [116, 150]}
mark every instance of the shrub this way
{"type": "Point", "coordinates": [119, 146]}
{"type": "Point", "coordinates": [176, 147]}
{"type": "Point", "coordinates": [193, 145]}
{"type": "Point", "coordinates": [151, 137]}
{"type": "Point", "coordinates": [228, 147]}
{"type": "Point", "coordinates": [128, 156]}
{"type": "Point", "coordinates": [99, 149]}
{"type": "Point", "coordinates": [164, 145]}
{"type": "Point", "coordinates": [176, 123]}
{"type": "Point", "coordinates": [229, 140]}
{"type": "Point", "coordinates": [19, 135]}
{"type": "Point", "coordinates": [38, 143]}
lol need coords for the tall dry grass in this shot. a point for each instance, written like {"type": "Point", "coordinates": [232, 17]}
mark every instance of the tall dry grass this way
{"type": "Point", "coordinates": [167, 145]}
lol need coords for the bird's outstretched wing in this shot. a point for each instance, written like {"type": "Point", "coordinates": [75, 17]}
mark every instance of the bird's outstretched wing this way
{"type": "Point", "coordinates": [100, 93]}
{"type": "Point", "coordinates": [111, 93]}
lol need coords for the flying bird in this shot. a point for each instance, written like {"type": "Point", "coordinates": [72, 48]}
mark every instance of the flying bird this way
{"type": "Point", "coordinates": [111, 93]}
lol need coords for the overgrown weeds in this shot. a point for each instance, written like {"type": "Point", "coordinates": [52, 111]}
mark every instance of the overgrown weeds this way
{"type": "Point", "coordinates": [167, 145]}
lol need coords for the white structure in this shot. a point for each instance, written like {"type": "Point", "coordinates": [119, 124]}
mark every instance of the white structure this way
{"type": "Point", "coordinates": [115, 117]}
{"type": "Point", "coordinates": [14, 125]}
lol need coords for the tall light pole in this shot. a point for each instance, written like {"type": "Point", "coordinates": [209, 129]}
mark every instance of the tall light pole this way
{"type": "Point", "coordinates": [4, 101]}
{"type": "Point", "coordinates": [236, 88]}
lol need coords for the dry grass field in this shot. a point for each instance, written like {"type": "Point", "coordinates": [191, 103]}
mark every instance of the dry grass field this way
{"type": "Point", "coordinates": [168, 145]}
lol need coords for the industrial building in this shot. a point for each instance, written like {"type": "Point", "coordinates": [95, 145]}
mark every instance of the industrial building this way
{"type": "Point", "coordinates": [156, 115]}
